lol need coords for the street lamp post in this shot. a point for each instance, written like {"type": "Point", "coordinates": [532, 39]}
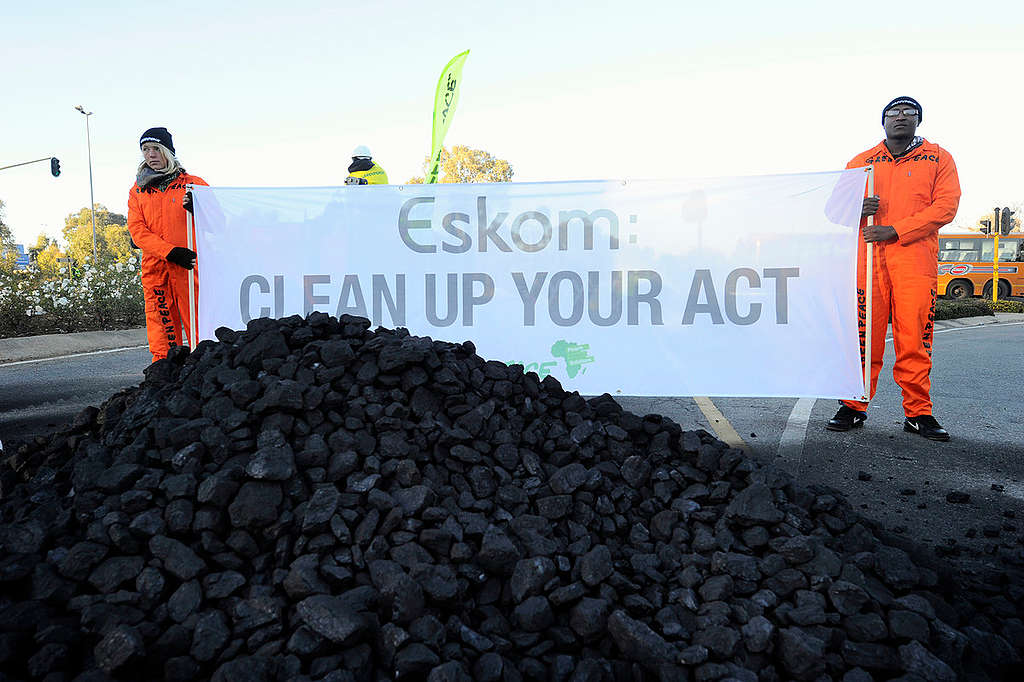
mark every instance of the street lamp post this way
{"type": "Point", "coordinates": [92, 203]}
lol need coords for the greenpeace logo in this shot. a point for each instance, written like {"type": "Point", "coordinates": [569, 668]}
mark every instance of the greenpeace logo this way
{"type": "Point", "coordinates": [885, 158]}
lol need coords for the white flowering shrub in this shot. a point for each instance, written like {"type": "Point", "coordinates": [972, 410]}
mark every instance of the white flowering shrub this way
{"type": "Point", "coordinates": [16, 292]}
{"type": "Point", "coordinates": [105, 295]}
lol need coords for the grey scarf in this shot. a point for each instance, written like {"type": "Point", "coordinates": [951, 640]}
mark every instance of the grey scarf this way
{"type": "Point", "coordinates": [147, 177]}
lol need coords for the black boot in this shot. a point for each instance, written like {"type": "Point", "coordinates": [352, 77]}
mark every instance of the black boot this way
{"type": "Point", "coordinates": [846, 418]}
{"type": "Point", "coordinates": [925, 425]}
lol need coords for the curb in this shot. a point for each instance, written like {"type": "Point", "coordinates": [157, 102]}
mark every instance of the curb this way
{"type": "Point", "coordinates": [979, 321]}
{"type": "Point", "coordinates": [22, 348]}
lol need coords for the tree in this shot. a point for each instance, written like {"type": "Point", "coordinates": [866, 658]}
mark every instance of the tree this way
{"type": "Point", "coordinates": [45, 254]}
{"type": "Point", "coordinates": [42, 241]}
{"type": "Point", "coordinates": [46, 259]}
{"type": "Point", "coordinates": [119, 242]}
{"type": "Point", "coordinates": [6, 236]}
{"type": "Point", "coordinates": [8, 254]}
{"type": "Point", "coordinates": [111, 235]}
{"type": "Point", "coordinates": [465, 164]}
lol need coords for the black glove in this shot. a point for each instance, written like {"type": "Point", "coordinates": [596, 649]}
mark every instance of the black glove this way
{"type": "Point", "coordinates": [186, 202]}
{"type": "Point", "coordinates": [179, 255]}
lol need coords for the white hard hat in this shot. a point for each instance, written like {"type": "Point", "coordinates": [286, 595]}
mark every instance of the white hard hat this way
{"type": "Point", "coordinates": [361, 150]}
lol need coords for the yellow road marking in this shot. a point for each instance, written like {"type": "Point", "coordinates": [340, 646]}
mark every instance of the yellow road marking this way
{"type": "Point", "coordinates": [719, 424]}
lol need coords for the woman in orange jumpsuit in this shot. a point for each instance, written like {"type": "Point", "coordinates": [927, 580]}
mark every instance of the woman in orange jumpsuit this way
{"type": "Point", "coordinates": [156, 220]}
{"type": "Point", "coordinates": [917, 191]}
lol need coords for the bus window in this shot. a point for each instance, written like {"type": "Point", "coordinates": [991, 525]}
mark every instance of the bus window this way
{"type": "Point", "coordinates": [1007, 250]}
{"type": "Point", "coordinates": [962, 250]}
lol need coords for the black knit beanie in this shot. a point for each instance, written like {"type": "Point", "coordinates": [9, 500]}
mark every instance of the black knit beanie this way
{"type": "Point", "coordinates": [903, 100]}
{"type": "Point", "coordinates": [157, 135]}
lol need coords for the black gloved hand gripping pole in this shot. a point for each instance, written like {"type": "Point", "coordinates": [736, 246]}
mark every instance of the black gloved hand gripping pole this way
{"type": "Point", "coordinates": [193, 307]}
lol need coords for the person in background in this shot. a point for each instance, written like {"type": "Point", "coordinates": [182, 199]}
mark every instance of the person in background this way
{"type": "Point", "coordinates": [917, 191]}
{"type": "Point", "coordinates": [364, 170]}
{"type": "Point", "coordinates": [157, 204]}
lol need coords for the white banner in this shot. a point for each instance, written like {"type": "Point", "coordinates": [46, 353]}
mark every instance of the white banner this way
{"type": "Point", "coordinates": [724, 287]}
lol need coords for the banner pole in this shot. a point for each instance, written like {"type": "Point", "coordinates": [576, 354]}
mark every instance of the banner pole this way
{"type": "Point", "coordinates": [869, 286]}
{"type": "Point", "coordinates": [192, 307]}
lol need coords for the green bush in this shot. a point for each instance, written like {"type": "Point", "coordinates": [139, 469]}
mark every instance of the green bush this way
{"type": "Point", "coordinates": [1007, 306]}
{"type": "Point", "coordinates": [974, 307]}
{"type": "Point", "coordinates": [107, 295]}
{"type": "Point", "coordinates": [968, 307]}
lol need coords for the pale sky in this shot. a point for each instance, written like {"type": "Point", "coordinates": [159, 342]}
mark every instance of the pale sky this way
{"type": "Point", "coordinates": [278, 93]}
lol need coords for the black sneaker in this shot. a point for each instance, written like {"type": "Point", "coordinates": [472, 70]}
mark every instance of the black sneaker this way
{"type": "Point", "coordinates": [925, 425]}
{"type": "Point", "coordinates": [846, 418]}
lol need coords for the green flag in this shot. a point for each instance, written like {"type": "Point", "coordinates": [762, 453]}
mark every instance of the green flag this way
{"type": "Point", "coordinates": [445, 100]}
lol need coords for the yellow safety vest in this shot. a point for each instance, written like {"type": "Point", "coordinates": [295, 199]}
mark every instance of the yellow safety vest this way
{"type": "Point", "coordinates": [373, 176]}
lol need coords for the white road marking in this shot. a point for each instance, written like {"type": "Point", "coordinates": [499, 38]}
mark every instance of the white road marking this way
{"type": "Point", "coordinates": [73, 355]}
{"type": "Point", "coordinates": [719, 424]}
{"type": "Point", "coordinates": [976, 326]}
{"type": "Point", "coordinates": [791, 444]}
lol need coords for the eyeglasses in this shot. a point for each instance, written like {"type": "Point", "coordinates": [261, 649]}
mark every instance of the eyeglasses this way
{"type": "Point", "coordinates": [893, 113]}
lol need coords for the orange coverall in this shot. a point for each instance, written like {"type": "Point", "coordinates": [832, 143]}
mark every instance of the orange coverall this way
{"type": "Point", "coordinates": [156, 221]}
{"type": "Point", "coordinates": [918, 193]}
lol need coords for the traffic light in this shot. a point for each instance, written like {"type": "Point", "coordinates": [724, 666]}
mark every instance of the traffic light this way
{"type": "Point", "coordinates": [54, 166]}
{"type": "Point", "coordinates": [986, 226]}
{"type": "Point", "coordinates": [1006, 221]}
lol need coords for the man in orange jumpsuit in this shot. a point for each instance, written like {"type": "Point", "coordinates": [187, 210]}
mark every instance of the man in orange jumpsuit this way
{"type": "Point", "coordinates": [156, 220]}
{"type": "Point", "coordinates": [916, 192]}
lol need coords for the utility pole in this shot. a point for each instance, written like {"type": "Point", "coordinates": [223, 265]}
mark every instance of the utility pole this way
{"type": "Point", "coordinates": [92, 202]}
{"type": "Point", "coordinates": [995, 257]}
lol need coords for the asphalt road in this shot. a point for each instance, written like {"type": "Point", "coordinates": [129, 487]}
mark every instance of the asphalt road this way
{"type": "Point", "coordinates": [977, 380]}
{"type": "Point", "coordinates": [37, 397]}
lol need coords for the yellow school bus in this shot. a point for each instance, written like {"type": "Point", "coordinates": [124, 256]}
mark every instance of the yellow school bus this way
{"type": "Point", "coordinates": [965, 265]}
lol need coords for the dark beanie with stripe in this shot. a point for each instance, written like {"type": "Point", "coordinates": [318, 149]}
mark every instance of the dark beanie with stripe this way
{"type": "Point", "coordinates": [159, 135]}
{"type": "Point", "coordinates": [903, 100]}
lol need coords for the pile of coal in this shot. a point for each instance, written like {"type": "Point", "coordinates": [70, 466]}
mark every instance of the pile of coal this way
{"type": "Point", "coordinates": [313, 500]}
